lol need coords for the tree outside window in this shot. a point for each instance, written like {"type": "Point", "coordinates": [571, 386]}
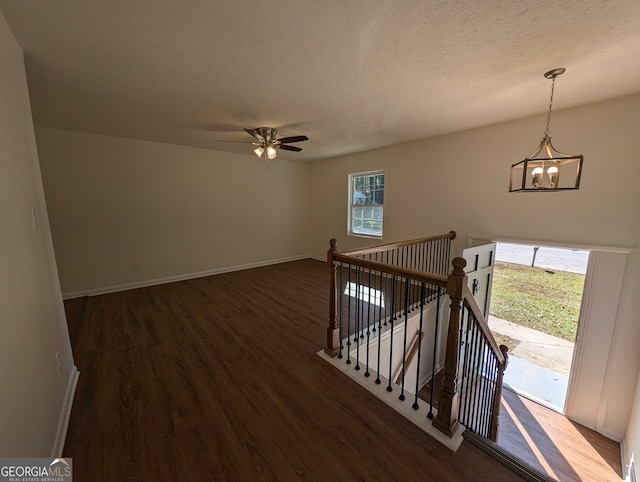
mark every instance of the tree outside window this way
{"type": "Point", "coordinates": [366, 194]}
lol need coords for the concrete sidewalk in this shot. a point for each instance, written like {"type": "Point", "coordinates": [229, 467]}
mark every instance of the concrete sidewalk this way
{"type": "Point", "coordinates": [543, 350]}
{"type": "Point", "coordinates": [539, 365]}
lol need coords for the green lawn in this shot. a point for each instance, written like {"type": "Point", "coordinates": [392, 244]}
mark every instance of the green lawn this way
{"type": "Point", "coordinates": [534, 297]}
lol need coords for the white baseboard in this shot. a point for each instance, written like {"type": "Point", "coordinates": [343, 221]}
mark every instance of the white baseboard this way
{"type": "Point", "coordinates": [183, 277]}
{"type": "Point", "coordinates": [616, 437]}
{"type": "Point", "coordinates": [65, 413]}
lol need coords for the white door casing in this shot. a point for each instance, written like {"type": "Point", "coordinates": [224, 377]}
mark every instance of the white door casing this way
{"type": "Point", "coordinates": [587, 396]}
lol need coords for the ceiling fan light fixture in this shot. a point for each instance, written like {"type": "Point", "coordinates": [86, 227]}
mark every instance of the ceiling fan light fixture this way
{"type": "Point", "coordinates": [271, 152]}
{"type": "Point", "coordinates": [547, 169]}
{"type": "Point", "coordinates": [258, 151]}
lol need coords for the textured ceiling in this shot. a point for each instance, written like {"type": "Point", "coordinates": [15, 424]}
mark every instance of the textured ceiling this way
{"type": "Point", "coordinates": [351, 74]}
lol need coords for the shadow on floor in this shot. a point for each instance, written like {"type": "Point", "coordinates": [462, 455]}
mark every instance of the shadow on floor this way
{"type": "Point", "coordinates": [553, 444]}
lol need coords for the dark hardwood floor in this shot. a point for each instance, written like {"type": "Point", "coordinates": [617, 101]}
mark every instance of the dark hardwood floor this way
{"type": "Point", "coordinates": [217, 378]}
{"type": "Point", "coordinates": [554, 444]}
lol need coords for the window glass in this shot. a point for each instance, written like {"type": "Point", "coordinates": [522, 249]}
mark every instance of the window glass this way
{"type": "Point", "coordinates": [366, 211]}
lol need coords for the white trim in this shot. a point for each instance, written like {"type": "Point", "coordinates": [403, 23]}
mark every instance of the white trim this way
{"type": "Point", "coordinates": [65, 414]}
{"type": "Point", "coordinates": [418, 417]}
{"type": "Point", "coordinates": [350, 204]}
{"type": "Point", "coordinates": [318, 258]}
{"type": "Point", "coordinates": [551, 244]}
{"type": "Point", "coordinates": [616, 437]}
{"type": "Point", "coordinates": [182, 277]}
{"type": "Point", "coordinates": [628, 462]}
{"type": "Point", "coordinates": [587, 399]}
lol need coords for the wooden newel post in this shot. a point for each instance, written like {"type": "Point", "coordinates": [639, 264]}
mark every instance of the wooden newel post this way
{"type": "Point", "coordinates": [447, 419]}
{"type": "Point", "coordinates": [495, 414]}
{"type": "Point", "coordinates": [333, 337]}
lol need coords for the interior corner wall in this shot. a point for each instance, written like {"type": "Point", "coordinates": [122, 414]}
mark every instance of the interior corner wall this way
{"type": "Point", "coordinates": [128, 213]}
{"type": "Point", "coordinates": [34, 393]}
{"type": "Point", "coordinates": [460, 181]}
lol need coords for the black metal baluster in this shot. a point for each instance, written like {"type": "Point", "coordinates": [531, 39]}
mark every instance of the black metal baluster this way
{"type": "Point", "coordinates": [486, 380]}
{"type": "Point", "coordinates": [361, 301]}
{"type": "Point", "coordinates": [481, 382]}
{"type": "Point", "coordinates": [340, 310]}
{"type": "Point", "coordinates": [358, 318]}
{"type": "Point", "coordinates": [435, 352]}
{"type": "Point", "coordinates": [482, 391]}
{"type": "Point", "coordinates": [404, 342]}
{"type": "Point", "coordinates": [377, 295]}
{"type": "Point", "coordinates": [492, 370]}
{"type": "Point", "coordinates": [475, 408]}
{"type": "Point", "coordinates": [468, 353]}
{"type": "Point", "coordinates": [349, 297]}
{"type": "Point", "coordinates": [494, 393]}
{"type": "Point", "coordinates": [357, 305]}
{"type": "Point", "coordinates": [366, 373]}
{"type": "Point", "coordinates": [469, 392]}
{"type": "Point", "coordinates": [381, 283]}
{"type": "Point", "coordinates": [393, 310]}
{"type": "Point", "coordinates": [488, 383]}
{"type": "Point", "coordinates": [415, 405]}
{"type": "Point", "coordinates": [387, 292]}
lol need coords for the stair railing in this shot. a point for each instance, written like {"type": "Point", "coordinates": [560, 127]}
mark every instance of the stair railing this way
{"type": "Point", "coordinates": [374, 290]}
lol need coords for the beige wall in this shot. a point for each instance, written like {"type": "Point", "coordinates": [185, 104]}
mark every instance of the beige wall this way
{"type": "Point", "coordinates": [173, 211]}
{"type": "Point", "coordinates": [460, 182]}
{"type": "Point", "coordinates": [32, 322]}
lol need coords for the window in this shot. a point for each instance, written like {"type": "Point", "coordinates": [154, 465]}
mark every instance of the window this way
{"type": "Point", "coordinates": [364, 293]}
{"type": "Point", "coordinates": [366, 204]}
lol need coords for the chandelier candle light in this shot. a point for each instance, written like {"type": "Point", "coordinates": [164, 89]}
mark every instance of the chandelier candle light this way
{"type": "Point", "coordinates": [547, 169]}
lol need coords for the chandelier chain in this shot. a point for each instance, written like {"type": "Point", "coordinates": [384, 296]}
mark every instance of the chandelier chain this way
{"type": "Point", "coordinates": [553, 84]}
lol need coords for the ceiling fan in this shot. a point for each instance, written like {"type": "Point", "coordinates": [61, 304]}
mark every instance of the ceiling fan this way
{"type": "Point", "coordinates": [266, 142]}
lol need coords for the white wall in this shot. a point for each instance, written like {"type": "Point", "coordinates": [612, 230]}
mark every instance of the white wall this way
{"type": "Point", "coordinates": [174, 211]}
{"type": "Point", "coordinates": [460, 182]}
{"type": "Point", "coordinates": [631, 443]}
{"type": "Point", "coordinates": [32, 321]}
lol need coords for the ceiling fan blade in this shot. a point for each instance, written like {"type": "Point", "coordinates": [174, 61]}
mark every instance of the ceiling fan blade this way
{"type": "Point", "coordinates": [254, 133]}
{"type": "Point", "coordinates": [289, 148]}
{"type": "Point", "coordinates": [286, 140]}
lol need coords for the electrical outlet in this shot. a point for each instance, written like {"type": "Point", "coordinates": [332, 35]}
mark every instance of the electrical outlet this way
{"type": "Point", "coordinates": [59, 362]}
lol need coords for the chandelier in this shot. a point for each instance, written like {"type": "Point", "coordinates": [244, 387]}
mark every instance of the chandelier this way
{"type": "Point", "coordinates": [547, 169]}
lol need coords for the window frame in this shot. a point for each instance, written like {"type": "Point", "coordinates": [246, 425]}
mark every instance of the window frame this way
{"type": "Point", "coordinates": [351, 205]}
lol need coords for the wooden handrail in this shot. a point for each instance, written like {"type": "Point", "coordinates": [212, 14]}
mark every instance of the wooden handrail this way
{"type": "Point", "coordinates": [412, 353]}
{"type": "Point", "coordinates": [430, 278]}
{"type": "Point", "coordinates": [471, 303]}
{"type": "Point", "coordinates": [399, 244]}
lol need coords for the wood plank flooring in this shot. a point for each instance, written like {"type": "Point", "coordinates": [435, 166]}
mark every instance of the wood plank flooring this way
{"type": "Point", "coordinates": [555, 445]}
{"type": "Point", "coordinates": [217, 379]}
